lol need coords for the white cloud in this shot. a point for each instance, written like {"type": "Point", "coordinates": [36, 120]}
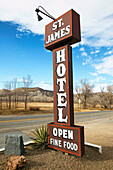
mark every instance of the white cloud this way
{"type": "Point", "coordinates": [21, 29]}
{"type": "Point", "coordinates": [98, 84]}
{"type": "Point", "coordinates": [97, 87]}
{"type": "Point", "coordinates": [108, 52]}
{"type": "Point", "coordinates": [19, 80]}
{"type": "Point", "coordinates": [105, 66]}
{"type": "Point", "coordinates": [83, 64]}
{"type": "Point", "coordinates": [18, 36]}
{"type": "Point", "coordinates": [98, 79]}
{"type": "Point", "coordinates": [108, 48]}
{"type": "Point", "coordinates": [95, 52]}
{"type": "Point", "coordinates": [84, 54]}
{"type": "Point", "coordinates": [87, 61]}
{"type": "Point", "coordinates": [94, 74]}
{"type": "Point", "coordinates": [96, 17]}
{"type": "Point", "coordinates": [45, 86]}
{"type": "Point", "coordinates": [92, 52]}
{"type": "Point", "coordinates": [75, 45]}
{"type": "Point", "coordinates": [82, 49]}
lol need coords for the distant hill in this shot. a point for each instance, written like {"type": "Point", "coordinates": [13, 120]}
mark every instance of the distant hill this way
{"type": "Point", "coordinates": [34, 94]}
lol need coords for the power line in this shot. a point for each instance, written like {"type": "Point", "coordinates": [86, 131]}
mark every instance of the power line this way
{"type": "Point", "coordinates": [98, 83]}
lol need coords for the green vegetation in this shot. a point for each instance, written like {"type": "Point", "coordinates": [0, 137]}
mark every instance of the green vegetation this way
{"type": "Point", "coordinates": [40, 137]}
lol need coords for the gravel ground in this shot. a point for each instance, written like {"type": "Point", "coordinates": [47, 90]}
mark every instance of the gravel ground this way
{"type": "Point", "coordinates": [98, 132]}
{"type": "Point", "coordinates": [50, 159]}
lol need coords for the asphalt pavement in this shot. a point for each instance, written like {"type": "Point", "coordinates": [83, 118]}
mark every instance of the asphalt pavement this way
{"type": "Point", "coordinates": [20, 123]}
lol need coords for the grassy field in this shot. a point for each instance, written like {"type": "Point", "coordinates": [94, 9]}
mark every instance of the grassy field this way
{"type": "Point", "coordinates": [38, 108]}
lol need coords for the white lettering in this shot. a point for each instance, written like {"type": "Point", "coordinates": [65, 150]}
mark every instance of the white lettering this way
{"type": "Point", "coordinates": [60, 143]}
{"type": "Point", "coordinates": [60, 56]}
{"type": "Point", "coordinates": [54, 26]}
{"type": "Point", "coordinates": [68, 145]}
{"type": "Point", "coordinates": [64, 144]}
{"type": "Point", "coordinates": [61, 70]}
{"type": "Point", "coordinates": [55, 142]}
{"type": "Point", "coordinates": [62, 32]}
{"type": "Point", "coordinates": [49, 39]}
{"type": "Point", "coordinates": [61, 83]}
{"type": "Point", "coordinates": [59, 132]}
{"type": "Point", "coordinates": [52, 37]}
{"type": "Point", "coordinates": [65, 133]}
{"type": "Point", "coordinates": [54, 131]}
{"type": "Point", "coordinates": [60, 115]}
{"type": "Point", "coordinates": [60, 22]}
{"type": "Point", "coordinates": [57, 35]}
{"type": "Point", "coordinates": [71, 146]}
{"type": "Point", "coordinates": [61, 99]}
{"type": "Point", "coordinates": [67, 30]}
{"type": "Point", "coordinates": [57, 24]}
{"type": "Point", "coordinates": [51, 141]}
{"type": "Point", "coordinates": [70, 134]}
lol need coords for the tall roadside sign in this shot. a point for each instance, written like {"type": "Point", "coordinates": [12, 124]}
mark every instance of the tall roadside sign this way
{"type": "Point", "coordinates": [63, 135]}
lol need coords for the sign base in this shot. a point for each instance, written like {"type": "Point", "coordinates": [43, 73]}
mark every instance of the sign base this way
{"type": "Point", "coordinates": [68, 139]}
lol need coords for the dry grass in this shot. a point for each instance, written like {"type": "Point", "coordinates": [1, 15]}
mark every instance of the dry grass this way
{"type": "Point", "coordinates": [23, 112]}
{"type": "Point", "coordinates": [43, 108]}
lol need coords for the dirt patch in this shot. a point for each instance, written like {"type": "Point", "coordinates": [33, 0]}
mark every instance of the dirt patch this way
{"type": "Point", "coordinates": [99, 132]}
{"type": "Point", "coordinates": [50, 159]}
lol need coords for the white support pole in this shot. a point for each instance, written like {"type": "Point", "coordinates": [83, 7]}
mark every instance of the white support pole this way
{"type": "Point", "coordinates": [86, 143]}
{"type": "Point", "coordinates": [95, 146]}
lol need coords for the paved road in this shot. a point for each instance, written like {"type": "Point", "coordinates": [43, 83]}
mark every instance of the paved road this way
{"type": "Point", "coordinates": [22, 121]}
{"type": "Point", "coordinates": [18, 124]}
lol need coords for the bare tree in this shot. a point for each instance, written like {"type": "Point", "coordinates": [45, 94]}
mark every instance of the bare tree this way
{"type": "Point", "coordinates": [14, 86]}
{"type": "Point", "coordinates": [110, 95]}
{"type": "Point", "coordinates": [8, 86]}
{"type": "Point", "coordinates": [84, 91]}
{"type": "Point", "coordinates": [6, 97]}
{"type": "Point", "coordinates": [93, 100]}
{"type": "Point", "coordinates": [105, 97]}
{"type": "Point", "coordinates": [1, 96]}
{"type": "Point", "coordinates": [26, 83]}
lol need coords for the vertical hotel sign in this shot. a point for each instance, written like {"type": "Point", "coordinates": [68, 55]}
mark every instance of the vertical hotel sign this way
{"type": "Point", "coordinates": [59, 35]}
{"type": "Point", "coordinates": [63, 85]}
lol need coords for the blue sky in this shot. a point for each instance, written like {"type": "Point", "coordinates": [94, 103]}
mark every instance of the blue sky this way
{"type": "Point", "coordinates": [22, 49]}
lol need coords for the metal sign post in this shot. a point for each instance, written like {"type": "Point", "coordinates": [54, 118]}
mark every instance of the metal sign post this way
{"type": "Point", "coordinates": [59, 35]}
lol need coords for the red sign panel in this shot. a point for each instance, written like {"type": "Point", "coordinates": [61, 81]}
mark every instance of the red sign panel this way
{"type": "Point", "coordinates": [63, 86]}
{"type": "Point", "coordinates": [64, 30]}
{"type": "Point", "coordinates": [68, 139]}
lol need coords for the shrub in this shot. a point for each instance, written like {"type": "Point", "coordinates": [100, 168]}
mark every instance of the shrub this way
{"type": "Point", "coordinates": [40, 137]}
{"type": "Point", "coordinates": [34, 108]}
